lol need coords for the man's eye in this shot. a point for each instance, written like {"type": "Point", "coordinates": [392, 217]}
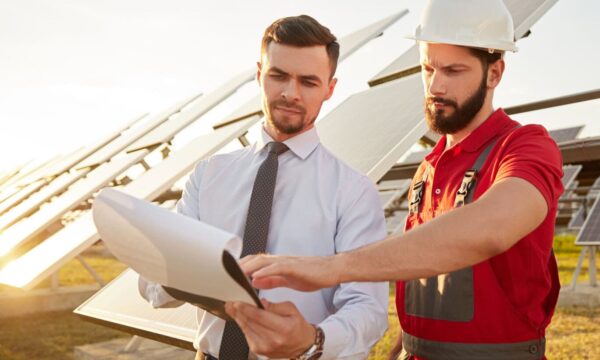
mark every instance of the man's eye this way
{"type": "Point", "coordinates": [309, 83]}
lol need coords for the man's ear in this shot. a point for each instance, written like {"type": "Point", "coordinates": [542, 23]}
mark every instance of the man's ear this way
{"type": "Point", "coordinates": [495, 72]}
{"type": "Point", "coordinates": [258, 71]}
{"type": "Point", "coordinates": [330, 88]}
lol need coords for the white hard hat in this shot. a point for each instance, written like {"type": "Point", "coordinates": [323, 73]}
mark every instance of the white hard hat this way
{"type": "Point", "coordinates": [485, 24]}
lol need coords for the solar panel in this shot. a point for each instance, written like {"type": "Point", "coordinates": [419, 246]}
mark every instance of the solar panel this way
{"type": "Point", "coordinates": [416, 157]}
{"type": "Point", "coordinates": [578, 219]}
{"type": "Point", "coordinates": [24, 172]}
{"type": "Point", "coordinates": [395, 223]}
{"type": "Point", "coordinates": [393, 184]}
{"type": "Point", "coordinates": [38, 263]}
{"type": "Point", "coordinates": [20, 195]}
{"type": "Point", "coordinates": [67, 164]}
{"type": "Point", "coordinates": [33, 202]}
{"type": "Point", "coordinates": [371, 130]}
{"type": "Point", "coordinates": [167, 130]}
{"type": "Point", "coordinates": [26, 186]}
{"type": "Point", "coordinates": [389, 196]}
{"type": "Point", "coordinates": [569, 176]}
{"type": "Point", "coordinates": [524, 13]}
{"type": "Point", "coordinates": [30, 227]}
{"type": "Point", "coordinates": [123, 141]}
{"type": "Point", "coordinates": [105, 152]}
{"type": "Point", "coordinates": [178, 325]}
{"type": "Point", "coordinates": [566, 134]}
{"type": "Point", "coordinates": [590, 231]}
{"type": "Point", "coordinates": [348, 45]}
{"type": "Point", "coordinates": [62, 164]}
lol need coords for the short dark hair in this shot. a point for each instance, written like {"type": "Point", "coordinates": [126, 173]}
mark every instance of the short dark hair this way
{"type": "Point", "coordinates": [302, 31]}
{"type": "Point", "coordinates": [485, 57]}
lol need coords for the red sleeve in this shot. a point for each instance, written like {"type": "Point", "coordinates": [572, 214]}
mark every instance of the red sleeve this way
{"type": "Point", "coordinates": [531, 154]}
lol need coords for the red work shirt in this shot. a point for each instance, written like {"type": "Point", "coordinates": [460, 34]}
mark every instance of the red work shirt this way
{"type": "Point", "coordinates": [522, 273]}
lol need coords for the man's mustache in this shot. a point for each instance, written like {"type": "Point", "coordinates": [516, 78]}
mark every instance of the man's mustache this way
{"type": "Point", "coordinates": [437, 99]}
{"type": "Point", "coordinates": [289, 105]}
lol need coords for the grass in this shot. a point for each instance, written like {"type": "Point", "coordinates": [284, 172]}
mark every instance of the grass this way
{"type": "Point", "coordinates": [573, 334]}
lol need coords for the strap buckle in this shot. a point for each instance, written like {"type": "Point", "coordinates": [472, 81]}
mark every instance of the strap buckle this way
{"type": "Point", "coordinates": [465, 187]}
{"type": "Point", "coordinates": [416, 197]}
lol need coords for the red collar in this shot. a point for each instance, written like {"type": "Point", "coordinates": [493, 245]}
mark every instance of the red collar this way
{"type": "Point", "coordinates": [494, 125]}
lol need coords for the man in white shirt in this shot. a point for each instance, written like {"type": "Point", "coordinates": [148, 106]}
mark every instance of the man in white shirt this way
{"type": "Point", "coordinates": [320, 206]}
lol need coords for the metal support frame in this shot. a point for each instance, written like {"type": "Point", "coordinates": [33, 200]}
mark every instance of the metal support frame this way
{"type": "Point", "coordinates": [145, 164]}
{"type": "Point", "coordinates": [166, 150]}
{"type": "Point", "coordinates": [592, 249]}
{"type": "Point", "coordinates": [133, 344]}
{"type": "Point", "coordinates": [54, 281]}
{"type": "Point", "coordinates": [91, 270]}
{"type": "Point", "coordinates": [244, 140]}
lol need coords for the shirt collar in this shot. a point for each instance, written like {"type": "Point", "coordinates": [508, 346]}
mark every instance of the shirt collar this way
{"type": "Point", "coordinates": [301, 145]}
{"type": "Point", "coordinates": [491, 127]}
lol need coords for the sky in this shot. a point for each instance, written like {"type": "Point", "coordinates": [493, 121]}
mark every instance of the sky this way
{"type": "Point", "coordinates": [73, 70]}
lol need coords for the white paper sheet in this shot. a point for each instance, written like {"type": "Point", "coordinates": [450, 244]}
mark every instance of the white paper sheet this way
{"type": "Point", "coordinates": [168, 248]}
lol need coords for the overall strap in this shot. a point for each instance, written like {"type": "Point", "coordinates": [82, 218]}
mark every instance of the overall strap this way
{"type": "Point", "coordinates": [466, 191]}
{"type": "Point", "coordinates": [416, 195]}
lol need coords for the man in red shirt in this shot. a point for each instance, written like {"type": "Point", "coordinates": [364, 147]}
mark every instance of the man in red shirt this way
{"type": "Point", "coordinates": [477, 278]}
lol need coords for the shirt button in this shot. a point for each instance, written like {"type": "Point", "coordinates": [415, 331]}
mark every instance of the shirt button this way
{"type": "Point", "coordinates": [438, 191]}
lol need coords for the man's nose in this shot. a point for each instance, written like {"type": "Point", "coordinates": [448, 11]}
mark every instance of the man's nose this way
{"type": "Point", "coordinates": [291, 92]}
{"type": "Point", "coordinates": [437, 84]}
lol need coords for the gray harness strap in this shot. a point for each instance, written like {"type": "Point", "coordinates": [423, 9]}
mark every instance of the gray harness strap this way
{"type": "Point", "coordinates": [466, 191]}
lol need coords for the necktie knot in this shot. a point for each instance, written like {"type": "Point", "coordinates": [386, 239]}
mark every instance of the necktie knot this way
{"type": "Point", "coordinates": [277, 148]}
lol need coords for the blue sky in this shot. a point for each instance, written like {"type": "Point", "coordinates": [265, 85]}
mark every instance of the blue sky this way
{"type": "Point", "coordinates": [72, 70]}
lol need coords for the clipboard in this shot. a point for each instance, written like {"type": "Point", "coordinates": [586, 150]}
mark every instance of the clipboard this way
{"type": "Point", "coordinates": [195, 262]}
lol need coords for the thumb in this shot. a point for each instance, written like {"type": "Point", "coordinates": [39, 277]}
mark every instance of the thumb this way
{"type": "Point", "coordinates": [285, 308]}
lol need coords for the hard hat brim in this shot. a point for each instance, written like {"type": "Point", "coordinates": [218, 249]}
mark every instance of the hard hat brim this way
{"type": "Point", "coordinates": [499, 46]}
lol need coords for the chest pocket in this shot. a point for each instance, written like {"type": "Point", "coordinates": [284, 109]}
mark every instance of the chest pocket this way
{"type": "Point", "coordinates": [448, 296]}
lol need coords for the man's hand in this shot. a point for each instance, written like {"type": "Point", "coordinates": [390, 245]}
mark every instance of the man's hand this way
{"type": "Point", "coordinates": [300, 273]}
{"type": "Point", "coordinates": [278, 331]}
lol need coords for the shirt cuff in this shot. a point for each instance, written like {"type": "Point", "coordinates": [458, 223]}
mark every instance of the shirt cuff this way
{"type": "Point", "coordinates": [156, 295]}
{"type": "Point", "coordinates": [335, 342]}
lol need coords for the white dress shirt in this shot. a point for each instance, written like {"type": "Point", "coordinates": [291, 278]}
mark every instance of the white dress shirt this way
{"type": "Point", "coordinates": [321, 206]}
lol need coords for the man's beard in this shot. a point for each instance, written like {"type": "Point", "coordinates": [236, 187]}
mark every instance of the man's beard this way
{"type": "Point", "coordinates": [283, 124]}
{"type": "Point", "coordinates": [462, 116]}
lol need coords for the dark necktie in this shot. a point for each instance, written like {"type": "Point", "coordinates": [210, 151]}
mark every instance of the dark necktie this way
{"type": "Point", "coordinates": [233, 343]}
